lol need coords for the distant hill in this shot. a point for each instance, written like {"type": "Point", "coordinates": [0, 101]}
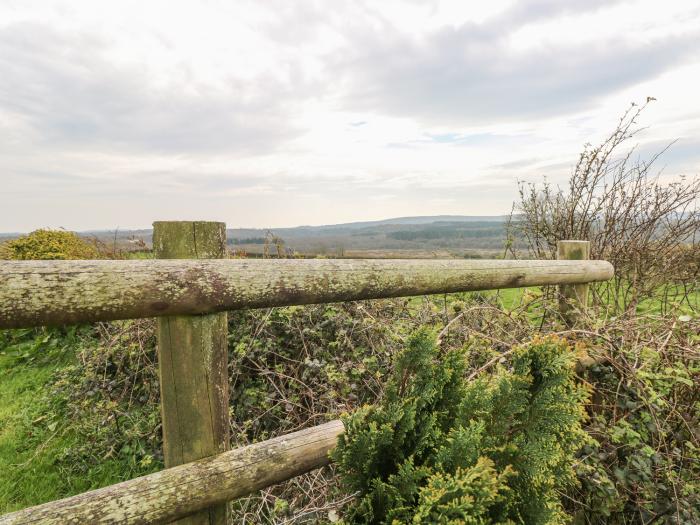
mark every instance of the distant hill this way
{"type": "Point", "coordinates": [425, 219]}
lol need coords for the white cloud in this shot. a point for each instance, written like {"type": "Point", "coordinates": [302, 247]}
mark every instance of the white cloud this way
{"type": "Point", "coordinates": [280, 113]}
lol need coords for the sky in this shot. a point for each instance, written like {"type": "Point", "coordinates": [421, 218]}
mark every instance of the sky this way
{"type": "Point", "coordinates": [281, 112]}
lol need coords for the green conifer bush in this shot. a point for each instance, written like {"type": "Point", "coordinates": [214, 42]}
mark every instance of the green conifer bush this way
{"type": "Point", "coordinates": [48, 244]}
{"type": "Point", "coordinates": [440, 449]}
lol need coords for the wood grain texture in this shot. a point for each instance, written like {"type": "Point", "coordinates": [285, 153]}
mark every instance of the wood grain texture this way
{"type": "Point", "coordinates": [573, 298]}
{"type": "Point", "coordinates": [193, 363]}
{"type": "Point", "coordinates": [176, 492]}
{"type": "Point", "coordinates": [35, 293]}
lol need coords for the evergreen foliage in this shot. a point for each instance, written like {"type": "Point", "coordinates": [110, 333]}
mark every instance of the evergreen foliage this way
{"type": "Point", "coordinates": [440, 449]}
{"type": "Point", "coordinates": [48, 244]}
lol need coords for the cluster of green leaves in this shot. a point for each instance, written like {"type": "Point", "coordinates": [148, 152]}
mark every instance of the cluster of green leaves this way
{"type": "Point", "coordinates": [109, 396]}
{"type": "Point", "coordinates": [441, 449]}
{"type": "Point", "coordinates": [298, 364]}
{"type": "Point", "coordinates": [644, 464]}
{"type": "Point", "coordinates": [48, 244]}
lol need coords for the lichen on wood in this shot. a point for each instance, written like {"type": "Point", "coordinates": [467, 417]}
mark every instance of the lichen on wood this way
{"type": "Point", "coordinates": [34, 293]}
{"type": "Point", "coordinates": [573, 298]}
{"type": "Point", "coordinates": [193, 363]}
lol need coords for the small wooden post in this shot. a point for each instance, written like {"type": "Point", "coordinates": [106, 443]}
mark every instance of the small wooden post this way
{"type": "Point", "coordinates": [573, 298]}
{"type": "Point", "coordinates": [192, 359]}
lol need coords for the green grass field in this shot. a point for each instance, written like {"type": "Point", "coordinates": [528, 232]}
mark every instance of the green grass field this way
{"type": "Point", "coordinates": [30, 443]}
{"type": "Point", "coordinates": [35, 437]}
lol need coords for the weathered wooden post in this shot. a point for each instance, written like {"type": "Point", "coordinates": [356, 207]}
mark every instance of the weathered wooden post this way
{"type": "Point", "coordinates": [192, 358]}
{"type": "Point", "coordinates": [573, 298]}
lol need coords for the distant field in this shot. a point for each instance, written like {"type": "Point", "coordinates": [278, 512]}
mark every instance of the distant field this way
{"type": "Point", "coordinates": [421, 254]}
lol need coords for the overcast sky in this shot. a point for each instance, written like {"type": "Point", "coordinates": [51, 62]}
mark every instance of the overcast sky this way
{"type": "Point", "coordinates": [280, 112]}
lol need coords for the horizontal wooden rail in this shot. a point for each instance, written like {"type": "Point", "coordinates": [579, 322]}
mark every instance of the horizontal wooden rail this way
{"type": "Point", "coordinates": [35, 293]}
{"type": "Point", "coordinates": [179, 491]}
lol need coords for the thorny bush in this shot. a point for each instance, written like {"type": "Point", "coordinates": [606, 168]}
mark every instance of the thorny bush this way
{"type": "Point", "coordinates": [645, 223]}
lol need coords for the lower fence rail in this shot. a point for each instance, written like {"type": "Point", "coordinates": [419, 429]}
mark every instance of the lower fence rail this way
{"type": "Point", "coordinates": [179, 491]}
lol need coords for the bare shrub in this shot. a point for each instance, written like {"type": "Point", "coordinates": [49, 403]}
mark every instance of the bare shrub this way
{"type": "Point", "coordinates": [647, 228]}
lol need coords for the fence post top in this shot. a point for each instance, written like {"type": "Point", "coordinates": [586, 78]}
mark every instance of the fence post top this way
{"type": "Point", "coordinates": [189, 239]}
{"type": "Point", "coordinates": [573, 250]}
{"type": "Point", "coordinates": [188, 222]}
{"type": "Point", "coordinates": [572, 241]}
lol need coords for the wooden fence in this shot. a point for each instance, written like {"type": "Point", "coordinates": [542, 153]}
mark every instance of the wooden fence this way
{"type": "Point", "coordinates": [189, 288]}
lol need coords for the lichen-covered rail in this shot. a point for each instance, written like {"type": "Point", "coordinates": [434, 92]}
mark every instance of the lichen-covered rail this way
{"type": "Point", "coordinates": [36, 293]}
